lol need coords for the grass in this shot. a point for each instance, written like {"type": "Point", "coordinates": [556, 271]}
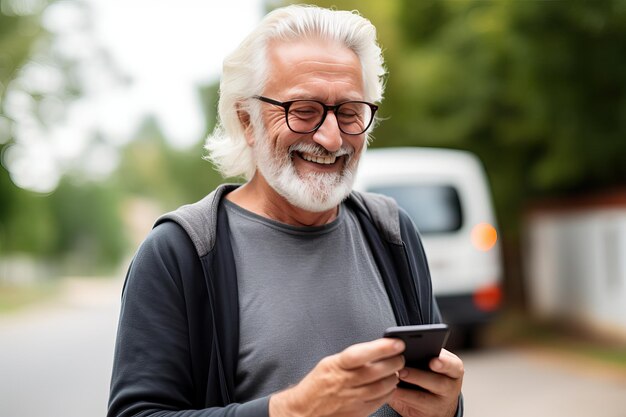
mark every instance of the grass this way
{"type": "Point", "coordinates": [16, 297]}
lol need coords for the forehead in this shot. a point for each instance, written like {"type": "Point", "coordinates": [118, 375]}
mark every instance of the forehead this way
{"type": "Point", "coordinates": [313, 68]}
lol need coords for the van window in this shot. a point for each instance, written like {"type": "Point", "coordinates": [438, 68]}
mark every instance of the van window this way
{"type": "Point", "coordinates": [433, 208]}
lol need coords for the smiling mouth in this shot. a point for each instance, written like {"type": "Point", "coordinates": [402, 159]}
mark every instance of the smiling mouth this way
{"type": "Point", "coordinates": [323, 160]}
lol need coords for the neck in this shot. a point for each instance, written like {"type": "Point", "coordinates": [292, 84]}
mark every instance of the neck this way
{"type": "Point", "coordinates": [260, 198]}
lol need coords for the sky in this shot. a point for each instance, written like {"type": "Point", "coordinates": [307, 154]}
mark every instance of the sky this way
{"type": "Point", "coordinates": [168, 48]}
{"type": "Point", "coordinates": [162, 50]}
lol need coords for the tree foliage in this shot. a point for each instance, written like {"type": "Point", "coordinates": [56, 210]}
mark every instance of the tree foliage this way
{"type": "Point", "coordinates": [17, 35]}
{"type": "Point", "coordinates": [81, 219]}
{"type": "Point", "coordinates": [536, 89]}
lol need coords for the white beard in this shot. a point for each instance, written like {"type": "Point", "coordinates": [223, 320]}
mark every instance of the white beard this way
{"type": "Point", "coordinates": [314, 192]}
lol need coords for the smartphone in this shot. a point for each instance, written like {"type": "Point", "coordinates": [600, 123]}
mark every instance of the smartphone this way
{"type": "Point", "coordinates": [423, 342]}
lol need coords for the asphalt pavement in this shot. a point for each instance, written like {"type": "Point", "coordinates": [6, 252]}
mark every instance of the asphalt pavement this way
{"type": "Point", "coordinates": [538, 382]}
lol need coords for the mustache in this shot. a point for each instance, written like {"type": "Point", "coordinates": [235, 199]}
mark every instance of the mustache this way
{"type": "Point", "coordinates": [318, 150]}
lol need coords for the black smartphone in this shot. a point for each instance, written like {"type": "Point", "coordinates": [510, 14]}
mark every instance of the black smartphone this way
{"type": "Point", "coordinates": [423, 342]}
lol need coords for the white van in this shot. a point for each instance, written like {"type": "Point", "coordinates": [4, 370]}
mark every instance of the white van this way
{"type": "Point", "coordinates": [446, 194]}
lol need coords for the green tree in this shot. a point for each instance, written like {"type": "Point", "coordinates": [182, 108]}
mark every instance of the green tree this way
{"type": "Point", "coordinates": [18, 34]}
{"type": "Point", "coordinates": [153, 169]}
{"type": "Point", "coordinates": [536, 89]}
{"type": "Point", "coordinates": [81, 219]}
{"type": "Point", "coordinates": [87, 216]}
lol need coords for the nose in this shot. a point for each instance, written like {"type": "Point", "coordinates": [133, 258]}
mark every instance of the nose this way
{"type": "Point", "coordinates": [328, 134]}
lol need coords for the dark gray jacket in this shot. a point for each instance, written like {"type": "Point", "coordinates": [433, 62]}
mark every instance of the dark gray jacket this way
{"type": "Point", "coordinates": [178, 334]}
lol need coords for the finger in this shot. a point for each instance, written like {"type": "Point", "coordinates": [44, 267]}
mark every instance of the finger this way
{"type": "Point", "coordinates": [423, 403]}
{"type": "Point", "coordinates": [411, 396]}
{"type": "Point", "coordinates": [360, 354]}
{"type": "Point", "coordinates": [432, 382]}
{"type": "Point", "coordinates": [376, 403]}
{"type": "Point", "coordinates": [379, 401]}
{"type": "Point", "coordinates": [419, 377]}
{"type": "Point", "coordinates": [448, 364]}
{"type": "Point", "coordinates": [377, 389]}
{"type": "Point", "coordinates": [377, 370]}
{"type": "Point", "coordinates": [386, 398]}
{"type": "Point", "coordinates": [409, 402]}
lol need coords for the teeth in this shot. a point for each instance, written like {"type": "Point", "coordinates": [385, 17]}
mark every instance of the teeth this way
{"type": "Point", "coordinates": [325, 160]}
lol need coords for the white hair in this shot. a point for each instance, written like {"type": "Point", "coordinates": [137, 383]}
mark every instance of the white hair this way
{"type": "Point", "coordinates": [245, 72]}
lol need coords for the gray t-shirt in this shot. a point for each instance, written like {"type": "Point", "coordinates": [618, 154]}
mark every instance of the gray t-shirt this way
{"type": "Point", "coordinates": [304, 293]}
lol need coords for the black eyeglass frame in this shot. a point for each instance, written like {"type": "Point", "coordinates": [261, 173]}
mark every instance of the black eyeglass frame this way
{"type": "Point", "coordinates": [287, 104]}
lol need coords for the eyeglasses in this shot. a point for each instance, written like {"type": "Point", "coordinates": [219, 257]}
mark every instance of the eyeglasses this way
{"type": "Point", "coordinates": [306, 116]}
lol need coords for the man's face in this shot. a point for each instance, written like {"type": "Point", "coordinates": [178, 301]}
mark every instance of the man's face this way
{"type": "Point", "coordinates": [312, 171]}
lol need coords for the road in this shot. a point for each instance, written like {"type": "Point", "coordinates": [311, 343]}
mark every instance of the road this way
{"type": "Point", "coordinates": [524, 382]}
{"type": "Point", "coordinates": [55, 361]}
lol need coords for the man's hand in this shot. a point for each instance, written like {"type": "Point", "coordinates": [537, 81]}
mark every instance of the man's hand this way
{"type": "Point", "coordinates": [354, 382]}
{"type": "Point", "coordinates": [443, 387]}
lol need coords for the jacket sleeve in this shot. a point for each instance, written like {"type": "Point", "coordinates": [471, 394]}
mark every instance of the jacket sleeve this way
{"type": "Point", "coordinates": [419, 263]}
{"type": "Point", "coordinates": [152, 370]}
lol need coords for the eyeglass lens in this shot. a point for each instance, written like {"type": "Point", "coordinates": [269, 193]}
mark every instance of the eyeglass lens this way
{"type": "Point", "coordinates": [305, 116]}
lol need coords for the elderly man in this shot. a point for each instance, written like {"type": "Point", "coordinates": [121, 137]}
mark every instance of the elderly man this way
{"type": "Point", "coordinates": [270, 298]}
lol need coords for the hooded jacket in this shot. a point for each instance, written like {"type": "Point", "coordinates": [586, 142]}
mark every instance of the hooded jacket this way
{"type": "Point", "coordinates": [178, 334]}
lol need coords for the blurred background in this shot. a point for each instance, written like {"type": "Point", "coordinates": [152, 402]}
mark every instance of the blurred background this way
{"type": "Point", "coordinates": [104, 107]}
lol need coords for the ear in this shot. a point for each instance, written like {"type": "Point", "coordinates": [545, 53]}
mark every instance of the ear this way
{"type": "Point", "coordinates": [244, 119]}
